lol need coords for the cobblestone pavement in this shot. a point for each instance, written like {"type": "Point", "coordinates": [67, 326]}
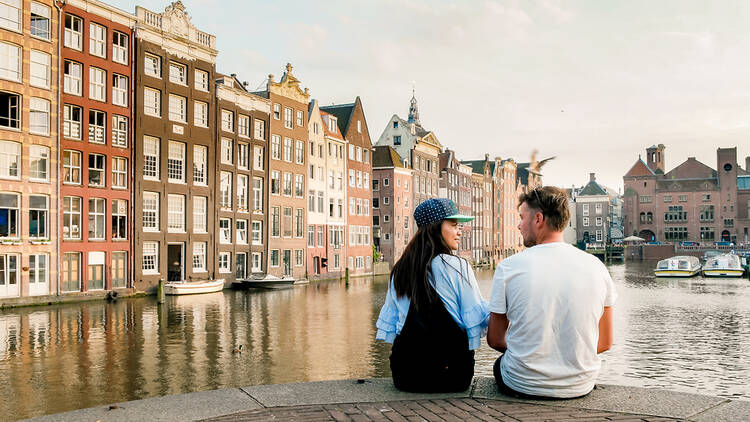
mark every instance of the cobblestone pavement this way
{"type": "Point", "coordinates": [448, 410]}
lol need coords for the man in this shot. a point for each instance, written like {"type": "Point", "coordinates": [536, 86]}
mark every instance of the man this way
{"type": "Point", "coordinates": [550, 307]}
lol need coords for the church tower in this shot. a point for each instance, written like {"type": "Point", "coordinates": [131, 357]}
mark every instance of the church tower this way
{"type": "Point", "coordinates": [413, 110]}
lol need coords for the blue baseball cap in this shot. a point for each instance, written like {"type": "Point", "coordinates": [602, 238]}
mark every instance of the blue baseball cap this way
{"type": "Point", "coordinates": [438, 209]}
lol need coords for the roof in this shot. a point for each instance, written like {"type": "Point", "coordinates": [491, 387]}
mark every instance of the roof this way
{"type": "Point", "coordinates": [522, 173]}
{"type": "Point", "coordinates": [337, 134]}
{"type": "Point", "coordinates": [477, 166]}
{"type": "Point", "coordinates": [639, 169]}
{"type": "Point", "coordinates": [386, 156]}
{"type": "Point", "coordinates": [691, 169]}
{"type": "Point", "coordinates": [592, 188]}
{"type": "Point", "coordinates": [342, 112]}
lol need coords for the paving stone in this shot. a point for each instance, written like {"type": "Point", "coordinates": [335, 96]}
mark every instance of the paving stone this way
{"type": "Point", "coordinates": [727, 411]}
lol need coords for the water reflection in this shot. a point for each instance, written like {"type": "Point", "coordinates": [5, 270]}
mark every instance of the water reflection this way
{"type": "Point", "coordinates": [686, 334]}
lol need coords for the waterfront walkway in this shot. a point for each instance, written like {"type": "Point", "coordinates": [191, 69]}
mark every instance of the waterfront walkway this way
{"type": "Point", "coordinates": [377, 400]}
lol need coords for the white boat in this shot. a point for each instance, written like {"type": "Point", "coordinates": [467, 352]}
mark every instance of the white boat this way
{"type": "Point", "coordinates": [678, 266]}
{"type": "Point", "coordinates": [266, 282]}
{"type": "Point", "coordinates": [193, 287]}
{"type": "Point", "coordinates": [724, 265]}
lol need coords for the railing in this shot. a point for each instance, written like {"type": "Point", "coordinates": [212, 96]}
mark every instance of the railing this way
{"type": "Point", "coordinates": [152, 18]}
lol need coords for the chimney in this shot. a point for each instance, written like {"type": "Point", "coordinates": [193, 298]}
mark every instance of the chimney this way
{"type": "Point", "coordinates": [747, 164]}
{"type": "Point", "coordinates": [234, 75]}
{"type": "Point", "coordinates": [244, 83]}
{"type": "Point", "coordinates": [592, 177]}
{"type": "Point", "coordinates": [486, 157]}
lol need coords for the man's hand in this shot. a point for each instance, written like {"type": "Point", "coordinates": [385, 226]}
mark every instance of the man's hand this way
{"type": "Point", "coordinates": [605, 330]}
{"type": "Point", "coordinates": [496, 330]}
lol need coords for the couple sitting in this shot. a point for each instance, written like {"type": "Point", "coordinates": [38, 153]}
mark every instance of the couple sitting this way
{"type": "Point", "coordinates": [550, 310]}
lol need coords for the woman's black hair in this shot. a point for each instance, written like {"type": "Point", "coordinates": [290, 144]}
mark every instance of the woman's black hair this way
{"type": "Point", "coordinates": [411, 273]}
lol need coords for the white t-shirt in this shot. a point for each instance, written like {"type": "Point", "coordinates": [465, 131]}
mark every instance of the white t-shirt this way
{"type": "Point", "coordinates": [553, 295]}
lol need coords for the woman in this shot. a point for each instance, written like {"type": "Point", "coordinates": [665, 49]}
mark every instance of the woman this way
{"type": "Point", "coordinates": [433, 313]}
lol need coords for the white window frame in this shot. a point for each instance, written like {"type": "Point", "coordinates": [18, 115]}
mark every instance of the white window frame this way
{"type": "Point", "coordinates": [119, 172]}
{"type": "Point", "coordinates": [70, 168]}
{"type": "Point", "coordinates": [176, 162]}
{"type": "Point", "coordinates": [11, 19]}
{"type": "Point", "coordinates": [73, 38]}
{"type": "Point", "coordinates": [119, 131]}
{"type": "Point", "coordinates": [200, 165]}
{"type": "Point", "coordinates": [41, 13]}
{"type": "Point", "coordinates": [97, 215]}
{"type": "Point", "coordinates": [72, 83]}
{"type": "Point", "coordinates": [39, 159]}
{"type": "Point", "coordinates": [243, 125]}
{"type": "Point", "coordinates": [120, 89]}
{"type": "Point", "coordinates": [71, 215]}
{"type": "Point", "coordinates": [227, 151]}
{"type": "Point", "coordinates": [97, 84]}
{"type": "Point", "coordinates": [241, 231]}
{"type": "Point", "coordinates": [225, 262]}
{"type": "Point", "coordinates": [225, 190]}
{"type": "Point", "coordinates": [199, 257]}
{"type": "Point", "coordinates": [299, 152]}
{"type": "Point", "coordinates": [39, 69]}
{"type": "Point", "coordinates": [200, 114]}
{"type": "Point", "coordinates": [177, 108]}
{"type": "Point", "coordinates": [151, 158]}
{"type": "Point", "coordinates": [201, 80]}
{"type": "Point", "coordinates": [97, 127]}
{"type": "Point", "coordinates": [98, 158]}
{"type": "Point", "coordinates": [258, 194]}
{"type": "Point", "coordinates": [152, 65]}
{"type": "Point", "coordinates": [257, 232]}
{"type": "Point", "coordinates": [42, 217]}
{"type": "Point", "coordinates": [259, 127]}
{"type": "Point", "coordinates": [97, 40]}
{"type": "Point", "coordinates": [175, 213]}
{"type": "Point", "coordinates": [177, 73]}
{"type": "Point", "coordinates": [200, 214]}
{"type": "Point", "coordinates": [39, 116]}
{"type": "Point", "coordinates": [150, 211]}
{"type": "Point", "coordinates": [288, 122]}
{"type": "Point", "coordinates": [227, 121]}
{"type": "Point", "coordinates": [11, 59]}
{"type": "Point", "coordinates": [225, 231]}
{"type": "Point", "coordinates": [150, 258]}
{"type": "Point", "coordinates": [119, 47]}
{"type": "Point", "coordinates": [243, 155]}
{"type": "Point", "coordinates": [119, 213]}
{"type": "Point", "coordinates": [151, 102]}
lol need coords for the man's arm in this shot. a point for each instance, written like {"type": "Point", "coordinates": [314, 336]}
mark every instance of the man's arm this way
{"type": "Point", "coordinates": [496, 330]}
{"type": "Point", "coordinates": [605, 330]}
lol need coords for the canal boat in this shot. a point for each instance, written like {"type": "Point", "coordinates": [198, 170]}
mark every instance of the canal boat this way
{"type": "Point", "coordinates": [678, 266]}
{"type": "Point", "coordinates": [724, 265]}
{"type": "Point", "coordinates": [193, 287]}
{"type": "Point", "coordinates": [267, 282]}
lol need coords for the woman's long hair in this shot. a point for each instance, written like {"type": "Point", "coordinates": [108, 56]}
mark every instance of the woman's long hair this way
{"type": "Point", "coordinates": [411, 273]}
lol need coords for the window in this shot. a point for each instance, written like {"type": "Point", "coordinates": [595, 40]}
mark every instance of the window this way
{"type": "Point", "coordinates": [257, 194]}
{"type": "Point", "coordinates": [39, 116]}
{"type": "Point", "coordinates": [150, 258]}
{"type": "Point", "coordinates": [667, 199]}
{"type": "Point", "coordinates": [675, 233]}
{"type": "Point", "coordinates": [260, 129]}
{"type": "Point", "coordinates": [10, 15]}
{"type": "Point", "coordinates": [366, 155]}
{"type": "Point", "coordinates": [277, 111]}
{"type": "Point", "coordinates": [321, 237]}
{"type": "Point", "coordinates": [97, 40]}
{"type": "Point", "coordinates": [257, 233]}
{"type": "Point", "coordinates": [71, 167]}
{"type": "Point", "coordinates": [227, 121]}
{"type": "Point", "coordinates": [38, 217]}
{"type": "Point", "coordinates": [227, 150]}
{"type": "Point", "coordinates": [276, 147]}
{"type": "Point", "coordinates": [97, 213]}
{"type": "Point", "coordinates": [177, 73]}
{"type": "Point", "coordinates": [287, 150]}
{"type": "Point", "coordinates": [258, 158]}
{"type": "Point", "coordinates": [243, 155]}
{"type": "Point", "coordinates": [275, 221]}
{"type": "Point", "coordinates": [119, 269]}
{"type": "Point", "coordinates": [241, 234]}
{"type": "Point", "coordinates": [386, 182]}
{"type": "Point", "coordinates": [298, 258]}
{"type": "Point", "coordinates": [71, 269]}
{"type": "Point", "coordinates": [200, 115]}
{"type": "Point", "coordinates": [97, 126]}
{"type": "Point", "coordinates": [119, 219]}
{"type": "Point", "coordinates": [39, 69]}
{"type": "Point", "coordinates": [257, 258]}
{"type": "Point", "coordinates": [397, 138]}
{"type": "Point", "coordinates": [299, 220]}
{"type": "Point", "coordinates": [299, 152]}
{"type": "Point", "coordinates": [119, 172]}
{"type": "Point", "coordinates": [224, 262]}
{"type": "Point", "coordinates": [310, 236]}
{"type": "Point", "coordinates": [201, 80]}
{"type": "Point", "coordinates": [320, 201]}
{"type": "Point", "coordinates": [199, 257]}
{"type": "Point", "coordinates": [706, 197]}
{"type": "Point", "coordinates": [176, 162]}
{"type": "Point", "coordinates": [299, 186]}
{"type": "Point", "coordinates": [375, 219]}
{"type": "Point", "coordinates": [72, 121]}
{"type": "Point", "coordinates": [177, 108]}
{"type": "Point", "coordinates": [675, 213]}
{"type": "Point", "coordinates": [96, 270]}
{"type": "Point", "coordinates": [729, 222]}
{"type": "Point", "coordinates": [152, 102]}
{"type": "Point", "coordinates": [9, 214]}
{"type": "Point", "coordinates": [119, 131]}
{"type": "Point", "coordinates": [287, 222]}
{"type": "Point", "coordinates": [287, 184]}
{"type": "Point", "coordinates": [332, 124]}
{"type": "Point", "coordinates": [175, 213]}
{"type": "Point", "coordinates": [287, 117]}
{"type": "Point", "coordinates": [275, 182]}
{"type": "Point", "coordinates": [707, 233]}
{"type": "Point", "coordinates": [73, 32]}
{"type": "Point", "coordinates": [274, 257]}
{"type": "Point", "coordinates": [119, 47]}
{"type": "Point", "coordinates": [706, 213]}
{"type": "Point", "coordinates": [39, 162]}
{"type": "Point", "coordinates": [73, 73]}
{"type": "Point", "coordinates": [199, 164]}
{"type": "Point", "coordinates": [97, 84]}
{"type": "Point", "coordinates": [598, 208]}
{"type": "Point", "coordinates": [598, 221]}
{"type": "Point", "coordinates": [152, 65]}
{"type": "Point", "coordinates": [150, 212]}
{"type": "Point", "coordinates": [96, 170]}
{"type": "Point", "coordinates": [242, 192]}
{"type": "Point", "coordinates": [200, 207]}
{"type": "Point", "coordinates": [119, 90]}
{"type": "Point", "coordinates": [243, 126]}
{"type": "Point", "coordinates": [585, 209]}
{"type": "Point", "coordinates": [225, 230]}
{"type": "Point", "coordinates": [225, 190]}
{"type": "Point", "coordinates": [150, 158]}
{"type": "Point", "coordinates": [10, 61]}
{"type": "Point", "coordinates": [300, 118]}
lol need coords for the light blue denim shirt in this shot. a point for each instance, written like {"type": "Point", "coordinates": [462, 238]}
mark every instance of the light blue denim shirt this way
{"type": "Point", "coordinates": [456, 285]}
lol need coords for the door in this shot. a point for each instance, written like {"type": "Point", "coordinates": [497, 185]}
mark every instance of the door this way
{"type": "Point", "coordinates": [287, 260]}
{"type": "Point", "coordinates": [316, 265]}
{"type": "Point", "coordinates": [38, 274]}
{"type": "Point", "coordinates": [175, 262]}
{"type": "Point", "coordinates": [9, 275]}
{"type": "Point", "coordinates": [241, 267]}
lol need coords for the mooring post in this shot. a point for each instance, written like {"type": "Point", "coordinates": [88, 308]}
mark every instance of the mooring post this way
{"type": "Point", "coordinates": [160, 291]}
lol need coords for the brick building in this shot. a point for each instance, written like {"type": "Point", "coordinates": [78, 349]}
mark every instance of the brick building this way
{"type": "Point", "coordinates": [390, 218]}
{"type": "Point", "coordinates": [96, 145]}
{"type": "Point", "coordinates": [29, 169]}
{"type": "Point", "coordinates": [691, 202]}
{"type": "Point", "coordinates": [175, 69]}
{"type": "Point", "coordinates": [454, 184]}
{"type": "Point", "coordinates": [287, 166]}
{"type": "Point", "coordinates": [240, 220]}
{"type": "Point", "coordinates": [352, 124]}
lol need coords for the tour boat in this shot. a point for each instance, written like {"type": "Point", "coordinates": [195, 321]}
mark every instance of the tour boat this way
{"type": "Point", "coordinates": [193, 287]}
{"type": "Point", "coordinates": [678, 266]}
{"type": "Point", "coordinates": [724, 265]}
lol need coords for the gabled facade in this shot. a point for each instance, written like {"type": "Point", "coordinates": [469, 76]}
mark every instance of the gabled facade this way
{"type": "Point", "coordinates": [593, 213]}
{"type": "Point", "coordinates": [351, 122]}
{"type": "Point", "coordinates": [507, 189]}
{"type": "Point", "coordinates": [464, 207]}
{"type": "Point", "coordinates": [29, 170]}
{"type": "Point", "coordinates": [454, 183]}
{"type": "Point", "coordinates": [287, 167]}
{"type": "Point", "coordinates": [390, 180]}
{"type": "Point", "coordinates": [174, 149]}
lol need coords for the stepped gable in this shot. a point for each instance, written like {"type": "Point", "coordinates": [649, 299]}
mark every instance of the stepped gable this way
{"type": "Point", "coordinates": [639, 169]}
{"type": "Point", "coordinates": [690, 169]}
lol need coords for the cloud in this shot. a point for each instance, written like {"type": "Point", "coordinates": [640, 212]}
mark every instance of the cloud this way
{"type": "Point", "coordinates": [555, 9]}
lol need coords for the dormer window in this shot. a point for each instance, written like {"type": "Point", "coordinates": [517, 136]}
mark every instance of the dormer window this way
{"type": "Point", "coordinates": [332, 123]}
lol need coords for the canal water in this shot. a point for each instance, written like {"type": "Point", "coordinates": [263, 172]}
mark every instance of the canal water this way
{"type": "Point", "coordinates": [690, 335]}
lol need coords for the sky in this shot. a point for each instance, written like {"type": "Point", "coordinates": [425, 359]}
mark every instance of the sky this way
{"type": "Point", "coordinates": [592, 83]}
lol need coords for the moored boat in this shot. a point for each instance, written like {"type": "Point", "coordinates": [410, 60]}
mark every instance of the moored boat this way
{"type": "Point", "coordinates": [724, 265]}
{"type": "Point", "coordinates": [193, 287]}
{"type": "Point", "coordinates": [678, 266]}
{"type": "Point", "coordinates": [267, 282]}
